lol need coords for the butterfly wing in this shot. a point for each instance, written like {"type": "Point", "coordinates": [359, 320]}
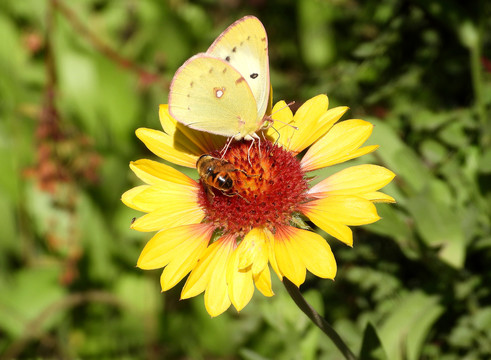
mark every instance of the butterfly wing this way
{"type": "Point", "coordinates": [208, 94]}
{"type": "Point", "coordinates": [244, 45]}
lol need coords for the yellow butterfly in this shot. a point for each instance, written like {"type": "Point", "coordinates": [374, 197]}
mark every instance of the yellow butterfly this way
{"type": "Point", "coordinates": [226, 91]}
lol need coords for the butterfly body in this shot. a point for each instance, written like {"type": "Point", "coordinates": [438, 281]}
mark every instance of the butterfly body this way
{"type": "Point", "coordinates": [226, 91]}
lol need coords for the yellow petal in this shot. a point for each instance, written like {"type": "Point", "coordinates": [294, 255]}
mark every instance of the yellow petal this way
{"type": "Point", "coordinates": [279, 131]}
{"type": "Point", "coordinates": [216, 295]}
{"type": "Point", "coordinates": [289, 263]}
{"type": "Point", "coordinates": [240, 282]}
{"type": "Point", "coordinates": [175, 211]}
{"type": "Point", "coordinates": [349, 210]}
{"type": "Point", "coordinates": [333, 228]}
{"type": "Point", "coordinates": [271, 253]}
{"type": "Point", "coordinates": [253, 251]}
{"type": "Point", "coordinates": [163, 146]}
{"type": "Point", "coordinates": [327, 121]}
{"type": "Point", "coordinates": [153, 172]}
{"type": "Point", "coordinates": [174, 243]}
{"type": "Point", "coordinates": [164, 194]}
{"type": "Point", "coordinates": [128, 196]}
{"type": "Point", "coordinates": [312, 110]}
{"type": "Point", "coordinates": [263, 282]}
{"type": "Point", "coordinates": [378, 197]}
{"type": "Point", "coordinates": [305, 119]}
{"type": "Point", "coordinates": [353, 181]}
{"type": "Point", "coordinates": [337, 230]}
{"type": "Point", "coordinates": [186, 139]}
{"type": "Point", "coordinates": [339, 144]}
{"type": "Point", "coordinates": [199, 278]}
{"type": "Point", "coordinates": [283, 114]}
{"type": "Point", "coordinates": [217, 298]}
{"type": "Point", "coordinates": [307, 135]}
{"type": "Point", "coordinates": [190, 251]}
{"type": "Point", "coordinates": [314, 252]}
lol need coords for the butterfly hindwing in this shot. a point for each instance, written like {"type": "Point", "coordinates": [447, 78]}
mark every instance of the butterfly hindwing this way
{"type": "Point", "coordinates": [210, 95]}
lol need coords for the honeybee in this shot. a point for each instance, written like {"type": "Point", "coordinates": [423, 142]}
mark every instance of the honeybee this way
{"type": "Point", "coordinates": [219, 174]}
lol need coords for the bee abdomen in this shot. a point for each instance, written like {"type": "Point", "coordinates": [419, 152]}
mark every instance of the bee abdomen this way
{"type": "Point", "coordinates": [224, 182]}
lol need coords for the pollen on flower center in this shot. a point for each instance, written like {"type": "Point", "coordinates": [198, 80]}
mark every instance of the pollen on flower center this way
{"type": "Point", "coordinates": [268, 188]}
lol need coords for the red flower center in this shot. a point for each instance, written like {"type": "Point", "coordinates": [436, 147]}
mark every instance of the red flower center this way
{"type": "Point", "coordinates": [268, 188]}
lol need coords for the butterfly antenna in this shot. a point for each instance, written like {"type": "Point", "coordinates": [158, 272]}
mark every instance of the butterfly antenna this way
{"type": "Point", "coordinates": [284, 123]}
{"type": "Point", "coordinates": [278, 138]}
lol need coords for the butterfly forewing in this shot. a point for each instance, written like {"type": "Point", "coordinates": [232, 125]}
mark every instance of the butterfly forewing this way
{"type": "Point", "coordinates": [208, 94]}
{"type": "Point", "coordinates": [244, 45]}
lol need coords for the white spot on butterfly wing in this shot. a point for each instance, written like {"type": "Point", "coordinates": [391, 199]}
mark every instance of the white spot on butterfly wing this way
{"type": "Point", "coordinates": [219, 92]}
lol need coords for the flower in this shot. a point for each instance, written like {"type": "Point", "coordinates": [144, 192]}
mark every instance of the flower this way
{"type": "Point", "coordinates": [227, 242]}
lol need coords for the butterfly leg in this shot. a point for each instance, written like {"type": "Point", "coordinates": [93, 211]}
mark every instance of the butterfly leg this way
{"type": "Point", "coordinates": [253, 138]}
{"type": "Point", "coordinates": [249, 151]}
{"type": "Point", "coordinates": [226, 146]}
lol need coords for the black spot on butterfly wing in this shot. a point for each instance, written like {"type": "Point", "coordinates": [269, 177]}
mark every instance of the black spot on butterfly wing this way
{"type": "Point", "coordinates": [254, 75]}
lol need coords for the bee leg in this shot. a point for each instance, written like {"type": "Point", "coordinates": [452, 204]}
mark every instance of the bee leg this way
{"type": "Point", "coordinates": [235, 194]}
{"type": "Point", "coordinates": [210, 195]}
{"type": "Point", "coordinates": [246, 174]}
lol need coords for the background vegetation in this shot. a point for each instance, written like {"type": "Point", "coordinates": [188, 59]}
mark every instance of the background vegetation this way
{"type": "Point", "coordinates": [78, 77]}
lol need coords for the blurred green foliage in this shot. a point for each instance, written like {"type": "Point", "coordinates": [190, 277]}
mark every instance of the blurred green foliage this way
{"type": "Point", "coordinates": [77, 78]}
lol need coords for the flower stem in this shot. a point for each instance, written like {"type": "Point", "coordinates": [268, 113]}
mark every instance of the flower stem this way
{"type": "Point", "coordinates": [318, 320]}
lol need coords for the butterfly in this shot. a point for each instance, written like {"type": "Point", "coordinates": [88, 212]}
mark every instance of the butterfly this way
{"type": "Point", "coordinates": [226, 91]}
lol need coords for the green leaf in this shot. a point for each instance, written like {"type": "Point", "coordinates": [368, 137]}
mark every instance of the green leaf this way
{"type": "Point", "coordinates": [439, 225]}
{"type": "Point", "coordinates": [485, 161]}
{"type": "Point", "coordinates": [404, 331]}
{"type": "Point", "coordinates": [309, 343]}
{"type": "Point", "coordinates": [25, 301]}
{"type": "Point", "coordinates": [398, 157]}
{"type": "Point", "coordinates": [371, 347]}
{"type": "Point", "coordinates": [118, 107]}
{"type": "Point", "coordinates": [96, 239]}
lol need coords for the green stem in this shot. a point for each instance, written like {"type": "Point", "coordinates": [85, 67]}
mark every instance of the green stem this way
{"type": "Point", "coordinates": [318, 320]}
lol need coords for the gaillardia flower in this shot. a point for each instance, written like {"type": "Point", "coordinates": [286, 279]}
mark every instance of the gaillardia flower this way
{"type": "Point", "coordinates": [228, 241]}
